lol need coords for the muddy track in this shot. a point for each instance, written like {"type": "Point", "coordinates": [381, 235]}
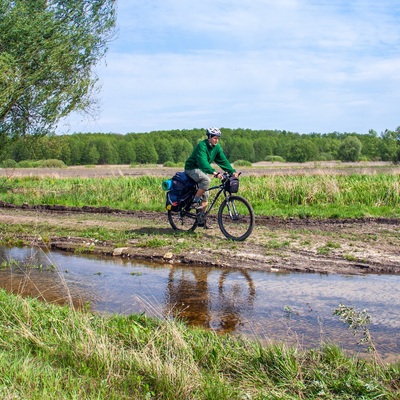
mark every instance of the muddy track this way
{"type": "Point", "coordinates": [260, 219]}
{"type": "Point", "coordinates": [351, 246]}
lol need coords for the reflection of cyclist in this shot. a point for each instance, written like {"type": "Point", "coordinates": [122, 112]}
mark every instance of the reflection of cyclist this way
{"type": "Point", "coordinates": [198, 165]}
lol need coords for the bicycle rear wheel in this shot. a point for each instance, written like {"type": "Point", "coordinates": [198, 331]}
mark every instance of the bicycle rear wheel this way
{"type": "Point", "coordinates": [236, 218]}
{"type": "Point", "coordinates": [182, 220]}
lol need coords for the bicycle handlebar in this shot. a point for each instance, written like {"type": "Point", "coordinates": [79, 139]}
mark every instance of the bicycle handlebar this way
{"type": "Point", "coordinates": [227, 175]}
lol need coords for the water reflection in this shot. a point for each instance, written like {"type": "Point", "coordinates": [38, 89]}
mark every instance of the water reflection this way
{"type": "Point", "coordinates": [296, 308]}
{"type": "Point", "coordinates": [189, 297]}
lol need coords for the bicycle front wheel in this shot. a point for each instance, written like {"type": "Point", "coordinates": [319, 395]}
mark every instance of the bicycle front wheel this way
{"type": "Point", "coordinates": [182, 220]}
{"type": "Point", "coordinates": [236, 218]}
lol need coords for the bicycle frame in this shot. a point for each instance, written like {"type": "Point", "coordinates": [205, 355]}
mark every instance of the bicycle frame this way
{"type": "Point", "coordinates": [216, 197]}
{"type": "Point", "coordinates": [221, 190]}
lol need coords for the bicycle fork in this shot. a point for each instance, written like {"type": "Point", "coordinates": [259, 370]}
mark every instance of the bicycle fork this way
{"type": "Point", "coordinates": [232, 209]}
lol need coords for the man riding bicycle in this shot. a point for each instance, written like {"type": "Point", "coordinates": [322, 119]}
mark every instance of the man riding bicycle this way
{"type": "Point", "coordinates": [198, 165]}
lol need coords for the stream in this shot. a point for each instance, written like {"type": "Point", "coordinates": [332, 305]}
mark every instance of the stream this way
{"type": "Point", "coordinates": [271, 306]}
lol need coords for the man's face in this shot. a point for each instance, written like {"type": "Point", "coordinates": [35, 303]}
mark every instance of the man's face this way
{"type": "Point", "coordinates": [213, 140]}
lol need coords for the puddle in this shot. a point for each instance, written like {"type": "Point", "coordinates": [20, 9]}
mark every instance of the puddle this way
{"type": "Point", "coordinates": [293, 307]}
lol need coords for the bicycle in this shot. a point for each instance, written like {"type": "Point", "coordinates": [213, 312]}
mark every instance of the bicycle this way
{"type": "Point", "coordinates": [235, 214]}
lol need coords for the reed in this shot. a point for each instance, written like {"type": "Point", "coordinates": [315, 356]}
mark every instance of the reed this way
{"type": "Point", "coordinates": [279, 195]}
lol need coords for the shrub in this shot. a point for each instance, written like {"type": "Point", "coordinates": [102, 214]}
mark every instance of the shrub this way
{"type": "Point", "coordinates": [9, 163]}
{"type": "Point", "coordinates": [173, 164]}
{"type": "Point", "coordinates": [28, 164]}
{"type": "Point", "coordinates": [52, 163]}
{"type": "Point", "coordinates": [325, 157]}
{"type": "Point", "coordinates": [275, 159]}
{"type": "Point", "coordinates": [242, 163]}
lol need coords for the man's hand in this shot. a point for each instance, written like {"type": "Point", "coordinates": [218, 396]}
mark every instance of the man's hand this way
{"type": "Point", "coordinates": [217, 175]}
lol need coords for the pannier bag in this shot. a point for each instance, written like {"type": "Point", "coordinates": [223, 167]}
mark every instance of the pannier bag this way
{"type": "Point", "coordinates": [179, 191]}
{"type": "Point", "coordinates": [232, 185]}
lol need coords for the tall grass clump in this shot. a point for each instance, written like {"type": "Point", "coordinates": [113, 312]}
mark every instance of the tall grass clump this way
{"type": "Point", "coordinates": [279, 195]}
{"type": "Point", "coordinates": [55, 352]}
{"type": "Point", "coordinates": [342, 195]}
{"type": "Point", "coordinates": [141, 193]}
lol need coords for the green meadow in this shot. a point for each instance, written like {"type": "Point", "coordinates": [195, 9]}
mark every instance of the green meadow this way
{"type": "Point", "coordinates": [318, 196]}
{"type": "Point", "coordinates": [53, 352]}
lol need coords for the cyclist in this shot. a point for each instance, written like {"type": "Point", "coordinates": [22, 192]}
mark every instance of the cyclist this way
{"type": "Point", "coordinates": [198, 165]}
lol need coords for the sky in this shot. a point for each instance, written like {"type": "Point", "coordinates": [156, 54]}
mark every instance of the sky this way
{"type": "Point", "coordinates": [297, 65]}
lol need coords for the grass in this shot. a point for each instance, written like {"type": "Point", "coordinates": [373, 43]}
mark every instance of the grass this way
{"type": "Point", "coordinates": [317, 196]}
{"type": "Point", "coordinates": [55, 352]}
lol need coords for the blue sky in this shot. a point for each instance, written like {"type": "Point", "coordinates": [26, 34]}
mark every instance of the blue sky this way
{"type": "Point", "coordinates": [297, 65]}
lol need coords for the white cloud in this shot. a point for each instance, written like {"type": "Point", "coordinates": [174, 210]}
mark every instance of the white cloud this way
{"type": "Point", "coordinates": [300, 65]}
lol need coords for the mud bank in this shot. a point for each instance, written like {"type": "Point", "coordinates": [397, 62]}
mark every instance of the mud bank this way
{"type": "Point", "coordinates": [357, 246]}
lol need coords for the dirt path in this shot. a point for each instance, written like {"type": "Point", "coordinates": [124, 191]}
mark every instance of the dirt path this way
{"type": "Point", "coordinates": [326, 246]}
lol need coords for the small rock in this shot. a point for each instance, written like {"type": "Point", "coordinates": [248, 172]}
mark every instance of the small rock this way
{"type": "Point", "coordinates": [119, 251]}
{"type": "Point", "coordinates": [168, 256]}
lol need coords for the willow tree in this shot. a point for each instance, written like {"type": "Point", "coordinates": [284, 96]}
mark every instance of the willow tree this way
{"type": "Point", "coordinates": [48, 49]}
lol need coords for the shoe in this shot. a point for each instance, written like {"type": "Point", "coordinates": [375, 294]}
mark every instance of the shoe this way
{"type": "Point", "coordinates": [202, 221]}
{"type": "Point", "coordinates": [200, 218]}
{"type": "Point", "coordinates": [205, 225]}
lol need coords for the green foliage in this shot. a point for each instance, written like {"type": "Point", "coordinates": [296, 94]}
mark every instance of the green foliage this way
{"type": "Point", "coordinates": [325, 157]}
{"type": "Point", "coordinates": [145, 151]}
{"type": "Point", "coordinates": [302, 150]}
{"type": "Point", "coordinates": [241, 149]}
{"type": "Point", "coordinates": [243, 163]}
{"type": "Point", "coordinates": [164, 150]}
{"type": "Point", "coordinates": [173, 164]}
{"type": "Point", "coordinates": [263, 147]}
{"type": "Point", "coordinates": [160, 147]}
{"type": "Point", "coordinates": [274, 159]}
{"type": "Point", "coordinates": [52, 164]}
{"type": "Point", "coordinates": [356, 321]}
{"type": "Point", "coordinates": [29, 164]}
{"type": "Point", "coordinates": [9, 163]}
{"type": "Point", "coordinates": [350, 149]}
{"type": "Point", "coordinates": [48, 50]}
{"type": "Point", "coordinates": [181, 149]}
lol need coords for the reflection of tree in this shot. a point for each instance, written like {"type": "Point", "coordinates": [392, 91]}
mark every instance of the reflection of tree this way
{"type": "Point", "coordinates": [230, 308]}
{"type": "Point", "coordinates": [188, 297]}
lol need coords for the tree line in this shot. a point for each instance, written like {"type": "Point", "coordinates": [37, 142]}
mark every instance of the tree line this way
{"type": "Point", "coordinates": [174, 146]}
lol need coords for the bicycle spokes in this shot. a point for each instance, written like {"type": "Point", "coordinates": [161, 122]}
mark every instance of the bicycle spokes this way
{"type": "Point", "coordinates": [236, 218]}
{"type": "Point", "coordinates": [182, 220]}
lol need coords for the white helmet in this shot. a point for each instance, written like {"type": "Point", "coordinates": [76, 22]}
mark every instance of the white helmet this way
{"type": "Point", "coordinates": [213, 132]}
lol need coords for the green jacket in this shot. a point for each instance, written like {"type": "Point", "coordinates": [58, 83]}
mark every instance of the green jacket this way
{"type": "Point", "coordinates": [203, 155]}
